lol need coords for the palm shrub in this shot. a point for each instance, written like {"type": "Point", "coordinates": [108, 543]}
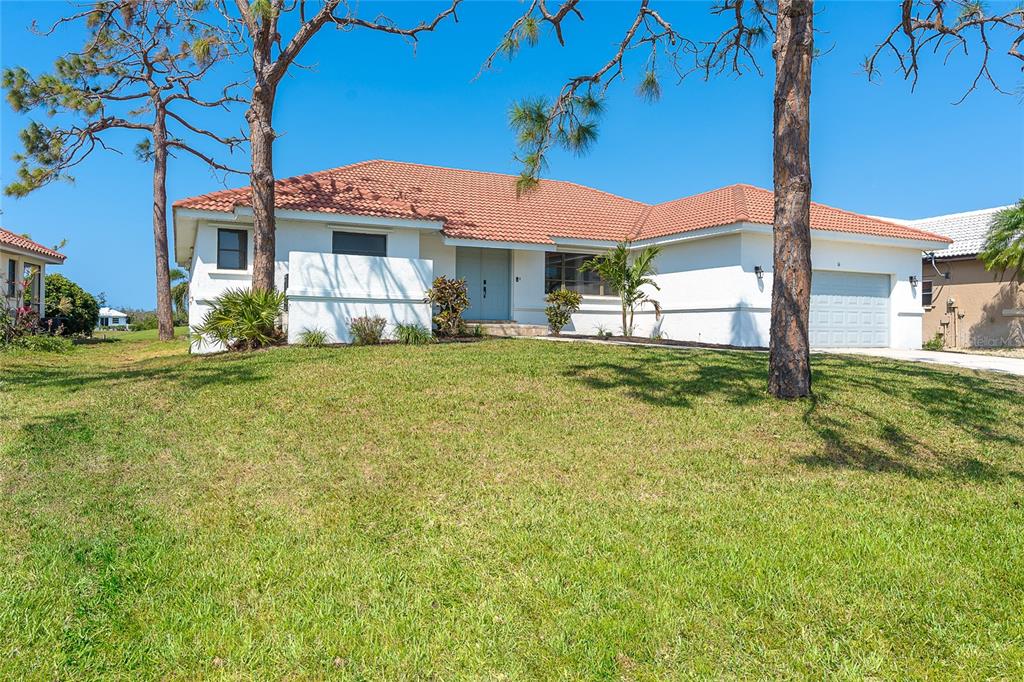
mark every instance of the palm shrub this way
{"type": "Point", "coordinates": [412, 334]}
{"type": "Point", "coordinates": [562, 303]}
{"type": "Point", "coordinates": [366, 330]}
{"type": "Point", "coordinates": [242, 319]}
{"type": "Point", "coordinates": [1004, 244]}
{"type": "Point", "coordinates": [628, 277]}
{"type": "Point", "coordinates": [179, 292]}
{"type": "Point", "coordinates": [451, 298]}
{"type": "Point", "coordinates": [313, 338]}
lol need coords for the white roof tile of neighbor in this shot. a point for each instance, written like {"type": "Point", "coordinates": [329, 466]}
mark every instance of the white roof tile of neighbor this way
{"type": "Point", "coordinates": [111, 312]}
{"type": "Point", "coordinates": [967, 230]}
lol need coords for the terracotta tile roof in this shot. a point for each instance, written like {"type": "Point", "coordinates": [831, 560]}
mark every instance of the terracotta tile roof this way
{"type": "Point", "coordinates": [479, 205]}
{"type": "Point", "coordinates": [17, 241]}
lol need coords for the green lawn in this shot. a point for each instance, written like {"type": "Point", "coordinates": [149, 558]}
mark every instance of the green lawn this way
{"type": "Point", "coordinates": [504, 510]}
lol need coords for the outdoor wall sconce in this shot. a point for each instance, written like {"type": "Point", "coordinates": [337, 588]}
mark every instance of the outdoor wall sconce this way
{"type": "Point", "coordinates": [913, 280]}
{"type": "Point", "coordinates": [759, 271]}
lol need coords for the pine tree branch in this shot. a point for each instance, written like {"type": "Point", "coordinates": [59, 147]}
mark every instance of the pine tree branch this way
{"type": "Point", "coordinates": [923, 27]}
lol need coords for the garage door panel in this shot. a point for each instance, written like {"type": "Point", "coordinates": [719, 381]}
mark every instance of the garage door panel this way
{"type": "Point", "coordinates": [849, 309]}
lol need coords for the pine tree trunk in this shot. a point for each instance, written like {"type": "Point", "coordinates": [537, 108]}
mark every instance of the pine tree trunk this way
{"type": "Point", "coordinates": [789, 372]}
{"type": "Point", "coordinates": [261, 138]}
{"type": "Point", "coordinates": [164, 312]}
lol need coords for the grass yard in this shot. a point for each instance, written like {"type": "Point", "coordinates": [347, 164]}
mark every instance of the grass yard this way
{"type": "Point", "coordinates": [505, 509]}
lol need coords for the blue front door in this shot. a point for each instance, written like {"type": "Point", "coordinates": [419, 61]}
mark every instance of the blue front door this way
{"type": "Point", "coordinates": [487, 273]}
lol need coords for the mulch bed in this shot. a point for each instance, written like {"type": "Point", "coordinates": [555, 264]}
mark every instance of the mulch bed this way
{"type": "Point", "coordinates": [660, 342]}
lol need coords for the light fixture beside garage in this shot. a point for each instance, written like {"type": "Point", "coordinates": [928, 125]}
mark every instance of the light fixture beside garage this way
{"type": "Point", "coordinates": [913, 280]}
{"type": "Point", "coordinates": [759, 271]}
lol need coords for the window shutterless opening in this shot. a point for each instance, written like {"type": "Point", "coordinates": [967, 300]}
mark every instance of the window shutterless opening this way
{"type": "Point", "coordinates": [232, 249]}
{"type": "Point", "coordinates": [359, 244]}
{"type": "Point", "coordinates": [926, 293]}
{"type": "Point", "coordinates": [563, 270]}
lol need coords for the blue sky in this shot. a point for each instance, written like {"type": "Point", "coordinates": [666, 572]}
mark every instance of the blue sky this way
{"type": "Point", "coordinates": [875, 148]}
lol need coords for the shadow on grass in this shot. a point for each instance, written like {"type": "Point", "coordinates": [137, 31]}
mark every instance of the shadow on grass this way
{"type": "Point", "coordinates": [867, 414]}
{"type": "Point", "coordinates": [675, 378]}
{"type": "Point", "coordinates": [187, 374]}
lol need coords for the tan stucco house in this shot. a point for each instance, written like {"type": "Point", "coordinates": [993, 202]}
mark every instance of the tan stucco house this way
{"type": "Point", "coordinates": [965, 304]}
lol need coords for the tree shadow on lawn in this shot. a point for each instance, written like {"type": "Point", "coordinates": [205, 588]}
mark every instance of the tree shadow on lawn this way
{"type": "Point", "coordinates": [188, 374]}
{"type": "Point", "coordinates": [674, 378]}
{"type": "Point", "coordinates": [860, 411]}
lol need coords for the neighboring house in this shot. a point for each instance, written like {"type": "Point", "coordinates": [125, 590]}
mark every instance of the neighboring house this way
{"type": "Point", "coordinates": [112, 319]}
{"type": "Point", "coordinates": [965, 304]}
{"type": "Point", "coordinates": [22, 261]}
{"type": "Point", "coordinates": [370, 237]}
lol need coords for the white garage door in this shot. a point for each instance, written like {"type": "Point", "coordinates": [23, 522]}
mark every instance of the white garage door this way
{"type": "Point", "coordinates": [849, 310]}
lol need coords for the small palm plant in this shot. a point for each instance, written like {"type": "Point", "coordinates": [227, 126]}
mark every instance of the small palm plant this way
{"type": "Point", "coordinates": [179, 291]}
{"type": "Point", "coordinates": [1004, 245]}
{"type": "Point", "coordinates": [628, 277]}
{"type": "Point", "coordinates": [241, 319]}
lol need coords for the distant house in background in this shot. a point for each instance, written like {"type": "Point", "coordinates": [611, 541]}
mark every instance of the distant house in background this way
{"type": "Point", "coordinates": [24, 261]}
{"type": "Point", "coordinates": [967, 305]}
{"type": "Point", "coordinates": [112, 319]}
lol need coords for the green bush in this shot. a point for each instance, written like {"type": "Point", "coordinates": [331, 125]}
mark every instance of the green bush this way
{"type": "Point", "coordinates": [935, 343]}
{"type": "Point", "coordinates": [366, 330]}
{"type": "Point", "coordinates": [451, 299]}
{"type": "Point", "coordinates": [142, 320]}
{"type": "Point", "coordinates": [242, 319]}
{"type": "Point", "coordinates": [45, 344]}
{"type": "Point", "coordinates": [313, 338]}
{"type": "Point", "coordinates": [562, 303]}
{"type": "Point", "coordinates": [413, 334]}
{"type": "Point", "coordinates": [72, 307]}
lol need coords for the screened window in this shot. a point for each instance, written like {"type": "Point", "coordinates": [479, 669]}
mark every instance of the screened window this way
{"type": "Point", "coordinates": [563, 270]}
{"type": "Point", "coordinates": [12, 277]}
{"type": "Point", "coordinates": [360, 244]}
{"type": "Point", "coordinates": [232, 249]}
{"type": "Point", "coordinates": [926, 293]}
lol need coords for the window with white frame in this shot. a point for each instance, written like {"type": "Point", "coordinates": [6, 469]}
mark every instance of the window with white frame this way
{"type": "Point", "coordinates": [563, 270]}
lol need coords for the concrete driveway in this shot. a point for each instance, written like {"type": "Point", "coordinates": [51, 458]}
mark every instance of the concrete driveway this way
{"type": "Point", "coordinates": [986, 363]}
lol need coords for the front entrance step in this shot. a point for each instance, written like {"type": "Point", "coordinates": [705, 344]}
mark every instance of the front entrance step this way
{"type": "Point", "coordinates": [509, 328]}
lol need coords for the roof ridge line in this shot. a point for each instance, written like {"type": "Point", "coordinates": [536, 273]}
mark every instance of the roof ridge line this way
{"type": "Point", "coordinates": [640, 222]}
{"type": "Point", "coordinates": [740, 199]}
{"type": "Point", "coordinates": [961, 214]}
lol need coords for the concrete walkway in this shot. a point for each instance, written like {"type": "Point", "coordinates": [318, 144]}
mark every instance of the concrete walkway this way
{"type": "Point", "coordinates": [985, 363]}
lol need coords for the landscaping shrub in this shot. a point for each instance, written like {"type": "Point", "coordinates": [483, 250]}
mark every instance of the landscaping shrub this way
{"type": "Point", "coordinates": [366, 330]}
{"type": "Point", "coordinates": [935, 343]}
{"type": "Point", "coordinates": [142, 320]}
{"type": "Point", "coordinates": [44, 343]}
{"type": "Point", "coordinates": [562, 303]}
{"type": "Point", "coordinates": [451, 299]}
{"type": "Point", "coordinates": [74, 309]}
{"type": "Point", "coordinates": [242, 319]}
{"type": "Point", "coordinates": [17, 322]}
{"type": "Point", "coordinates": [313, 338]}
{"type": "Point", "coordinates": [603, 332]}
{"type": "Point", "coordinates": [413, 334]}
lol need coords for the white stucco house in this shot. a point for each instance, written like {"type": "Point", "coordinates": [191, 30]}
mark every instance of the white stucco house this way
{"type": "Point", "coordinates": [370, 237]}
{"type": "Point", "coordinates": [23, 273]}
{"type": "Point", "coordinates": [111, 318]}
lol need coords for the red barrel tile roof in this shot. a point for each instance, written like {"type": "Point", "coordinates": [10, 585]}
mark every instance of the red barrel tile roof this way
{"type": "Point", "coordinates": [16, 240]}
{"type": "Point", "coordinates": [479, 205]}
